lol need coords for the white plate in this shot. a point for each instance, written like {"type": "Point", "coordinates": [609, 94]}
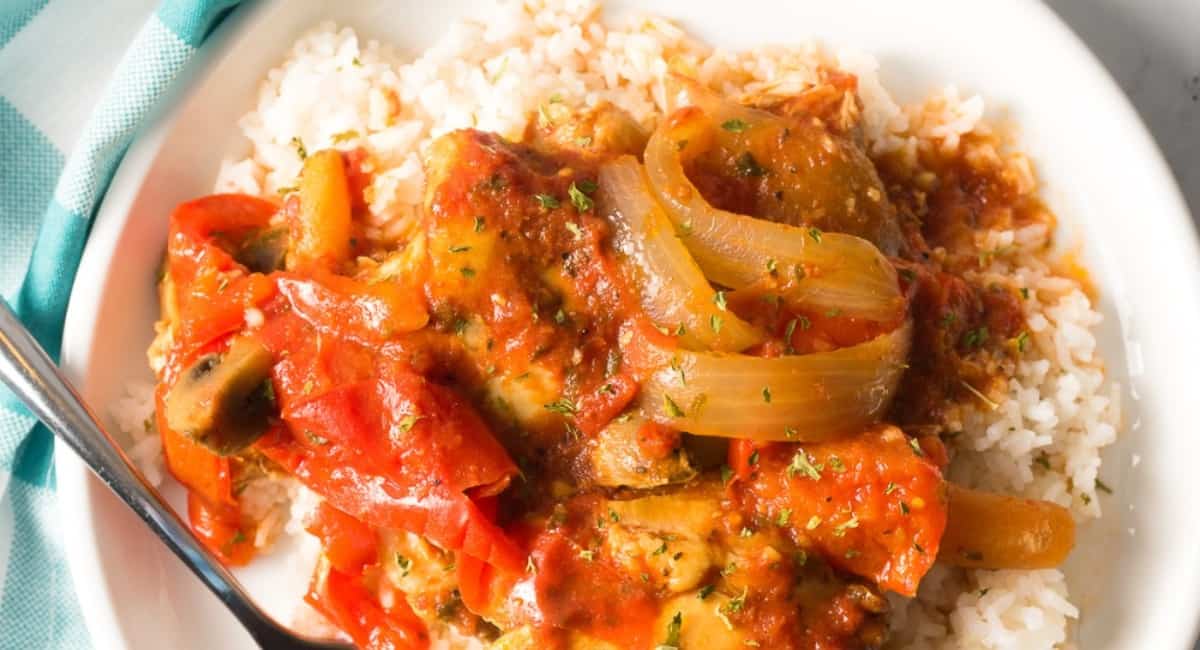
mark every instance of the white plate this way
{"type": "Point", "coordinates": [1137, 571]}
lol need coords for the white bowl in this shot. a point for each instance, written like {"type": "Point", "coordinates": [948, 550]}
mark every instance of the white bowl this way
{"type": "Point", "coordinates": [1136, 573]}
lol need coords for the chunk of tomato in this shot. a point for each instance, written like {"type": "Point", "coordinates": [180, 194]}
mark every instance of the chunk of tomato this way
{"type": "Point", "coordinates": [873, 504]}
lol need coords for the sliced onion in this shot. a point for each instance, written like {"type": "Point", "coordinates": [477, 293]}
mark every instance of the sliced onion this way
{"type": "Point", "coordinates": [672, 288]}
{"type": "Point", "coordinates": [818, 270]}
{"type": "Point", "coordinates": [804, 398]}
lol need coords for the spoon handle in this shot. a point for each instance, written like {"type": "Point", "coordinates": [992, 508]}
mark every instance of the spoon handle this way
{"type": "Point", "coordinates": [33, 377]}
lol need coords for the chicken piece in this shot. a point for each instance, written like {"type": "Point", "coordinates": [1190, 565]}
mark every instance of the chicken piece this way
{"type": "Point", "coordinates": [524, 638]}
{"type": "Point", "coordinates": [517, 267]}
{"type": "Point", "coordinates": [723, 573]}
{"type": "Point", "coordinates": [692, 511]}
{"type": "Point", "coordinates": [404, 263]}
{"type": "Point", "coordinates": [495, 227]}
{"type": "Point", "coordinates": [700, 626]}
{"type": "Point", "coordinates": [702, 622]}
{"type": "Point", "coordinates": [619, 459]}
{"type": "Point", "coordinates": [872, 505]}
{"type": "Point", "coordinates": [602, 131]}
{"type": "Point", "coordinates": [795, 168]}
{"type": "Point", "coordinates": [618, 571]}
{"type": "Point", "coordinates": [416, 567]}
{"type": "Point", "coordinates": [425, 575]}
{"type": "Point", "coordinates": [666, 536]}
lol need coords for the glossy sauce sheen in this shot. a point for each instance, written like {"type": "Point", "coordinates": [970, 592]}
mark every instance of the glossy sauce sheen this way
{"type": "Point", "coordinates": [456, 398]}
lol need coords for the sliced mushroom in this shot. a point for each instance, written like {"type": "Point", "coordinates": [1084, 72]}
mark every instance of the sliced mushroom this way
{"type": "Point", "coordinates": [265, 251]}
{"type": "Point", "coordinates": [224, 401]}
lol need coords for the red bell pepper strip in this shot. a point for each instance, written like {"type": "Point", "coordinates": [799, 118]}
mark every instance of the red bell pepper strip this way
{"type": "Point", "coordinates": [213, 292]}
{"type": "Point", "coordinates": [195, 467]}
{"type": "Point", "coordinates": [401, 453]}
{"type": "Point", "coordinates": [201, 229]}
{"type": "Point", "coordinates": [397, 451]}
{"type": "Point", "coordinates": [342, 598]}
{"type": "Point", "coordinates": [212, 510]}
{"type": "Point", "coordinates": [212, 289]}
{"type": "Point", "coordinates": [221, 529]}
{"type": "Point", "coordinates": [744, 455]}
{"type": "Point", "coordinates": [367, 314]}
{"type": "Point", "coordinates": [349, 544]}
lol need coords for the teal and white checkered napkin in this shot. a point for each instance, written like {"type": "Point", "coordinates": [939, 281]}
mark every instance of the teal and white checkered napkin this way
{"type": "Point", "coordinates": [51, 52]}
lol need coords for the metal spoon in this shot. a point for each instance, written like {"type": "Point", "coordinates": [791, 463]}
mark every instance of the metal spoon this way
{"type": "Point", "coordinates": [32, 376]}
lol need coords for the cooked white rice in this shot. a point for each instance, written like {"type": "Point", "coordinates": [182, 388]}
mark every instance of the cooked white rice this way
{"type": "Point", "coordinates": [1057, 411]}
{"type": "Point", "coordinates": [134, 417]}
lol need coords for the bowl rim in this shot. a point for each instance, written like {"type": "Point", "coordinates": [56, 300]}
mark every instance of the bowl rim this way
{"type": "Point", "coordinates": [77, 487]}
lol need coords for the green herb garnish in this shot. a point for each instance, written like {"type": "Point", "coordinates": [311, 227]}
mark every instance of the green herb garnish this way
{"type": "Point", "coordinates": [301, 150]}
{"type": "Point", "coordinates": [1022, 341]}
{"type": "Point", "coordinates": [840, 529]}
{"type": "Point", "coordinates": [579, 199]}
{"type": "Point", "coordinates": [407, 423]}
{"type": "Point", "coordinates": [802, 465]}
{"type": "Point", "coordinates": [719, 300]}
{"type": "Point", "coordinates": [976, 337]}
{"type": "Point", "coordinates": [562, 406]}
{"type": "Point", "coordinates": [673, 628]}
{"type": "Point", "coordinates": [734, 126]}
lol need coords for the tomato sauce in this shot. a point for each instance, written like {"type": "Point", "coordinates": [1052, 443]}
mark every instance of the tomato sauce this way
{"type": "Point", "coordinates": [873, 505]}
{"type": "Point", "coordinates": [458, 401]}
{"type": "Point", "coordinates": [963, 330]}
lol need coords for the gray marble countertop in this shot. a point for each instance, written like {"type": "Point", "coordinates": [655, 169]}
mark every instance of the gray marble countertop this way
{"type": "Point", "coordinates": [1152, 48]}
